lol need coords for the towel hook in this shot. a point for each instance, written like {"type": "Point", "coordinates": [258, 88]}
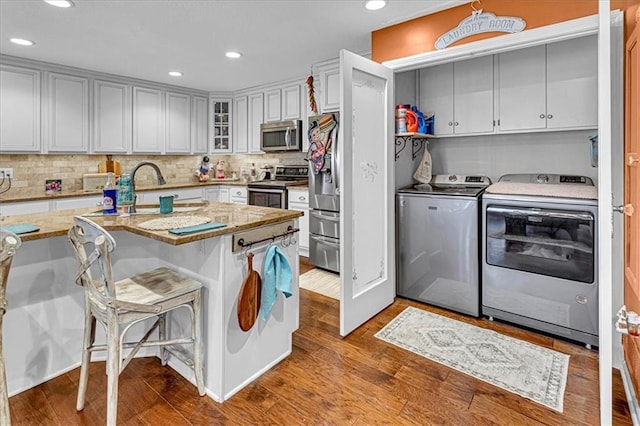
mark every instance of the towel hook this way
{"type": "Point", "coordinates": [473, 7]}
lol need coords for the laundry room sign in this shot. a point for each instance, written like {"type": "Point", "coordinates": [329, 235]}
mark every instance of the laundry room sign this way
{"type": "Point", "coordinates": [480, 22]}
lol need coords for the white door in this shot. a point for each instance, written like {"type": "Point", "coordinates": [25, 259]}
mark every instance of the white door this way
{"type": "Point", "coordinates": [366, 190]}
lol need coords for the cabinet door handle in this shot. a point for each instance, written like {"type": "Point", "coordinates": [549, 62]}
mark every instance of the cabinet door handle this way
{"type": "Point", "coordinates": [99, 203]}
{"type": "Point", "coordinates": [302, 198]}
{"type": "Point", "coordinates": [542, 115]}
{"type": "Point", "coordinates": [550, 116]}
{"type": "Point", "coordinates": [455, 124]}
{"type": "Point", "coordinates": [450, 123]}
{"type": "Point", "coordinates": [176, 196]}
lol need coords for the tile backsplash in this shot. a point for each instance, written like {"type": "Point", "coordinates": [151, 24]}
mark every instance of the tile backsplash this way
{"type": "Point", "coordinates": [32, 170]}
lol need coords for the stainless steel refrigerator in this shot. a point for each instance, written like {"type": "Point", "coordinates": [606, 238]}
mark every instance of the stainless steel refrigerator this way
{"type": "Point", "coordinates": [324, 198]}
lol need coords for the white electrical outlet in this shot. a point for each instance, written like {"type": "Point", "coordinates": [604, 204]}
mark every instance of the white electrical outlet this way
{"type": "Point", "coordinates": [6, 172]}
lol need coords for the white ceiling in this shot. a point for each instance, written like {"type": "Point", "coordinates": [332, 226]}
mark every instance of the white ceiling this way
{"type": "Point", "coordinates": [146, 39]}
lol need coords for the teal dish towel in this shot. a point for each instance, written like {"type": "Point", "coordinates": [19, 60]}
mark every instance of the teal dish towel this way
{"type": "Point", "coordinates": [197, 228]}
{"type": "Point", "coordinates": [23, 228]}
{"type": "Point", "coordinates": [276, 276]}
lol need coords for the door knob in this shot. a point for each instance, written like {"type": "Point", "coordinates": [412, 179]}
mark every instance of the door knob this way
{"type": "Point", "coordinates": [627, 209]}
{"type": "Point", "coordinates": [632, 159]}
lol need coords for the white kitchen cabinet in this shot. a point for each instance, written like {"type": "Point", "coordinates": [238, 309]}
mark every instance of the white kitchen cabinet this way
{"type": "Point", "coordinates": [24, 207]}
{"type": "Point", "coordinates": [178, 123]}
{"type": "Point", "coordinates": [67, 123]}
{"type": "Point", "coordinates": [238, 194]}
{"type": "Point", "coordinates": [256, 118]}
{"type": "Point", "coordinates": [460, 95]}
{"type": "Point", "coordinates": [299, 201]}
{"type": "Point", "coordinates": [182, 194]}
{"type": "Point", "coordinates": [19, 109]}
{"type": "Point", "coordinates": [548, 87]}
{"type": "Point", "coordinates": [291, 102]}
{"type": "Point", "coordinates": [78, 202]}
{"type": "Point", "coordinates": [328, 91]}
{"type": "Point", "coordinates": [218, 193]}
{"type": "Point", "coordinates": [199, 125]}
{"type": "Point", "coordinates": [221, 118]}
{"type": "Point", "coordinates": [111, 117]}
{"type": "Point", "coordinates": [572, 83]}
{"type": "Point", "coordinates": [148, 120]}
{"type": "Point", "coordinates": [272, 105]}
{"type": "Point", "coordinates": [240, 125]}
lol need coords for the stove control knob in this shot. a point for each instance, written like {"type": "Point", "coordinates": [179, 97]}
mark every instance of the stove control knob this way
{"type": "Point", "coordinates": [453, 178]}
{"type": "Point", "coordinates": [542, 179]}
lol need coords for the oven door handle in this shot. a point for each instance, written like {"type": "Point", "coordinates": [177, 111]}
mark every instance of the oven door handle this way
{"type": "Point", "coordinates": [322, 240]}
{"type": "Point", "coordinates": [543, 213]}
{"type": "Point", "coordinates": [270, 191]}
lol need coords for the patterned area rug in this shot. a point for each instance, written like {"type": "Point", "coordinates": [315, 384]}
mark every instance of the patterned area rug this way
{"type": "Point", "coordinates": [528, 370]}
{"type": "Point", "coordinates": [323, 282]}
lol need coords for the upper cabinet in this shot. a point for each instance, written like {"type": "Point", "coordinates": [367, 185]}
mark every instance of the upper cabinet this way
{"type": "Point", "coordinates": [220, 120]}
{"type": "Point", "coordinates": [111, 117]}
{"type": "Point", "coordinates": [460, 95]}
{"type": "Point", "coordinates": [240, 124]}
{"type": "Point", "coordinates": [67, 113]}
{"type": "Point", "coordinates": [329, 87]}
{"type": "Point", "coordinates": [199, 125]}
{"type": "Point", "coordinates": [178, 123]}
{"type": "Point", "coordinates": [272, 104]}
{"type": "Point", "coordinates": [291, 102]}
{"type": "Point", "coordinates": [19, 109]}
{"type": "Point", "coordinates": [256, 118]}
{"type": "Point", "coordinates": [572, 83]}
{"type": "Point", "coordinates": [148, 120]}
{"type": "Point", "coordinates": [549, 87]}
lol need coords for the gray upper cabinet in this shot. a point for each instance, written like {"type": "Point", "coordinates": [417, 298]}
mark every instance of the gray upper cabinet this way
{"type": "Point", "coordinates": [111, 117]}
{"type": "Point", "coordinates": [572, 83]}
{"type": "Point", "coordinates": [199, 124]}
{"type": "Point", "coordinates": [19, 109]}
{"type": "Point", "coordinates": [148, 120]}
{"type": "Point", "coordinates": [178, 123]}
{"type": "Point", "coordinates": [460, 95]}
{"type": "Point", "coordinates": [551, 87]}
{"type": "Point", "coordinates": [67, 113]}
{"type": "Point", "coordinates": [329, 87]}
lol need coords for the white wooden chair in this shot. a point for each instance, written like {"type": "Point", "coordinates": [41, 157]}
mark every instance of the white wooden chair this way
{"type": "Point", "coordinates": [125, 303]}
{"type": "Point", "coordinates": [9, 243]}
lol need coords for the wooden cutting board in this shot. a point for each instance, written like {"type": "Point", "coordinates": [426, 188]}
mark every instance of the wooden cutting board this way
{"type": "Point", "coordinates": [249, 298]}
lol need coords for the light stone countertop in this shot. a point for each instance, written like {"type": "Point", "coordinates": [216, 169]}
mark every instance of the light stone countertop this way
{"type": "Point", "coordinates": [237, 217]}
{"type": "Point", "coordinates": [35, 195]}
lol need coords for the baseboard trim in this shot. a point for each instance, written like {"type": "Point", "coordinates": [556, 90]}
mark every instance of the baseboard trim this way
{"type": "Point", "coordinates": [632, 399]}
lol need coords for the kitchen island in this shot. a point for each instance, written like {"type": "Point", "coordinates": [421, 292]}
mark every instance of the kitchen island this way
{"type": "Point", "coordinates": [44, 320]}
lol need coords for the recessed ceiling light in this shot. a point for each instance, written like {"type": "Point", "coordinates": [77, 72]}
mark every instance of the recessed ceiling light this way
{"type": "Point", "coordinates": [22, 42]}
{"type": "Point", "coordinates": [233, 55]}
{"type": "Point", "coordinates": [375, 4]}
{"type": "Point", "coordinates": [60, 3]}
{"type": "Point", "coordinates": [175, 73]}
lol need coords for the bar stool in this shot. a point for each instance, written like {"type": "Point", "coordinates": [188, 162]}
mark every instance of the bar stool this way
{"type": "Point", "coordinates": [9, 243]}
{"type": "Point", "coordinates": [118, 305]}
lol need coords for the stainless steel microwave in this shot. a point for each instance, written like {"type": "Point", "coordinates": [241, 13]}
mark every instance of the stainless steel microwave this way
{"type": "Point", "coordinates": [281, 136]}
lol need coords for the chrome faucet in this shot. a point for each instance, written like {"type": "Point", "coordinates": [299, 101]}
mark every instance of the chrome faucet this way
{"type": "Point", "coordinates": [161, 180]}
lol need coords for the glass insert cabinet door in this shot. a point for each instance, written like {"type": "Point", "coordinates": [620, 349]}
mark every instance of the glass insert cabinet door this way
{"type": "Point", "coordinates": [221, 124]}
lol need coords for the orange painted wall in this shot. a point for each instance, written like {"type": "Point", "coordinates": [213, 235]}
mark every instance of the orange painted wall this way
{"type": "Point", "coordinates": [419, 35]}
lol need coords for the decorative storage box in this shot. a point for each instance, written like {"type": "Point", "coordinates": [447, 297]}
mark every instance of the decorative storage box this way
{"type": "Point", "coordinates": [93, 181]}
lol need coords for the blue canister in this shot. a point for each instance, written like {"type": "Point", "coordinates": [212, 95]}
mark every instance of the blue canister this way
{"type": "Point", "coordinates": [125, 190]}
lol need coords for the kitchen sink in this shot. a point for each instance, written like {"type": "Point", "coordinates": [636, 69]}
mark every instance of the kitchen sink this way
{"type": "Point", "coordinates": [152, 209]}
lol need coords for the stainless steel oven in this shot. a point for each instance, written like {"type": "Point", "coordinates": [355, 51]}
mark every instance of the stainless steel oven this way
{"type": "Point", "coordinates": [540, 261]}
{"type": "Point", "coordinates": [273, 193]}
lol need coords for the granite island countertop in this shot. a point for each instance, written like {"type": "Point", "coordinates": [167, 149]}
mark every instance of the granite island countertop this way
{"type": "Point", "coordinates": [236, 217]}
{"type": "Point", "coordinates": [38, 194]}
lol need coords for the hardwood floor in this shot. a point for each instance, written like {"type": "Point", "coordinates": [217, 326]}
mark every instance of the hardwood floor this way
{"type": "Point", "coordinates": [359, 380]}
